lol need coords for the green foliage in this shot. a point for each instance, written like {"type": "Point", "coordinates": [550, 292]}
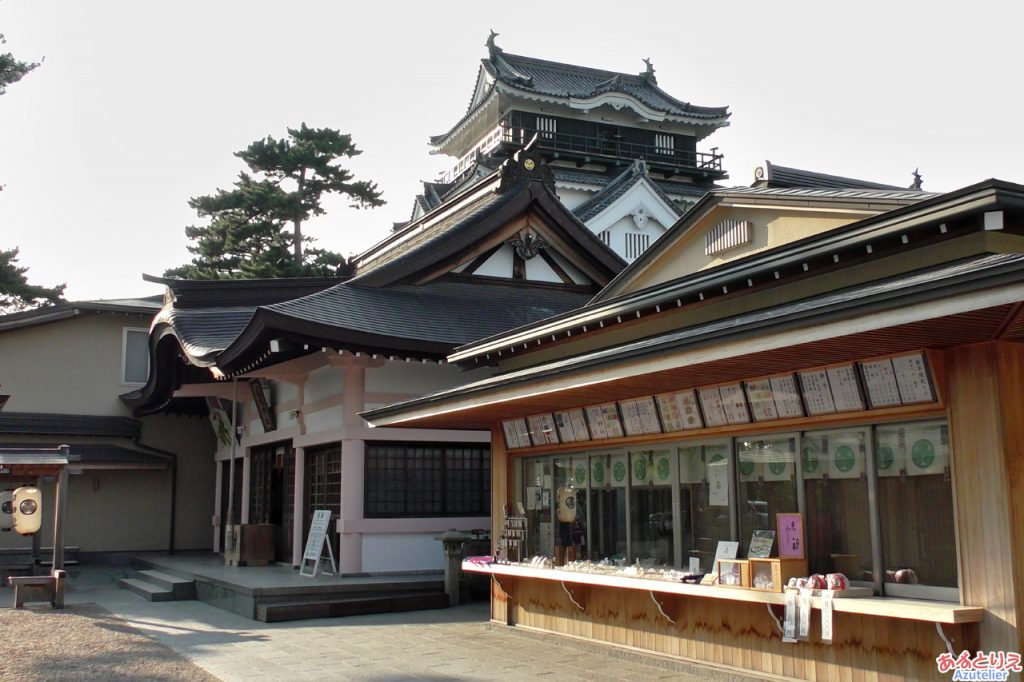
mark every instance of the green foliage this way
{"type": "Point", "coordinates": [255, 229]}
{"type": "Point", "coordinates": [15, 291]}
{"type": "Point", "coordinates": [12, 70]}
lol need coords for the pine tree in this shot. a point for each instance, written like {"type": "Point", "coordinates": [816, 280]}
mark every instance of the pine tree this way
{"type": "Point", "coordinates": [12, 70]}
{"type": "Point", "coordinates": [255, 229]}
{"type": "Point", "coordinates": [15, 291]}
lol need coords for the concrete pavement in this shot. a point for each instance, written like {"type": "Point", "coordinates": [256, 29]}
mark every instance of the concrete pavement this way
{"type": "Point", "coordinates": [451, 644]}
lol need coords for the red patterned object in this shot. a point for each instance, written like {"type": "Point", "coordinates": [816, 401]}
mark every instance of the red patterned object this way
{"type": "Point", "coordinates": [816, 582]}
{"type": "Point", "coordinates": [837, 581]}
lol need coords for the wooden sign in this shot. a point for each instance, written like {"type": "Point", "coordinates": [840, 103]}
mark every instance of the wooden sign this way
{"type": "Point", "coordinates": [914, 379]}
{"type": "Point", "coordinates": [315, 544]}
{"type": "Point", "coordinates": [817, 393]}
{"type": "Point", "coordinates": [880, 382]}
{"type": "Point", "coordinates": [711, 406]}
{"type": "Point", "coordinates": [604, 421]}
{"type": "Point", "coordinates": [542, 429]}
{"type": "Point", "coordinates": [261, 397]}
{"type": "Point", "coordinates": [787, 396]}
{"type": "Point", "coordinates": [734, 403]}
{"type": "Point", "coordinates": [517, 434]}
{"type": "Point", "coordinates": [572, 426]}
{"type": "Point", "coordinates": [679, 411]}
{"type": "Point", "coordinates": [846, 396]}
{"type": "Point", "coordinates": [762, 403]}
{"type": "Point", "coordinates": [639, 417]}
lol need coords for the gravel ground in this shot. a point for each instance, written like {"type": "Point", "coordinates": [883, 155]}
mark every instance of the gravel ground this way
{"type": "Point", "coordinates": [84, 642]}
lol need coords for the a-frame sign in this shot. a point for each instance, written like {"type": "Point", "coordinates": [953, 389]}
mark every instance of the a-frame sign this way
{"type": "Point", "coordinates": [315, 545]}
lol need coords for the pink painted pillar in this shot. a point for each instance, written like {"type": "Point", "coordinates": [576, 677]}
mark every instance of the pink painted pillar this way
{"type": "Point", "coordinates": [350, 559]}
{"type": "Point", "coordinates": [299, 510]}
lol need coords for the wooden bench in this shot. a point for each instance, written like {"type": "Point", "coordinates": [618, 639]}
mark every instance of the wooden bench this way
{"type": "Point", "coordinates": [54, 584]}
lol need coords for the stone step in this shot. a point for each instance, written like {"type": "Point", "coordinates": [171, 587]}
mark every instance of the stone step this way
{"type": "Point", "coordinates": [146, 590]}
{"type": "Point", "coordinates": [183, 588]}
{"type": "Point", "coordinates": [349, 606]}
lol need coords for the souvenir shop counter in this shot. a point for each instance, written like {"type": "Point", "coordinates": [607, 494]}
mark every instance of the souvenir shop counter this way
{"type": "Point", "coordinates": [888, 607]}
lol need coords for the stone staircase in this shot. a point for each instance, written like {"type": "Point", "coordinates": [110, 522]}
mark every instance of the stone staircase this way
{"type": "Point", "coordinates": [355, 605]}
{"type": "Point", "coordinates": [159, 586]}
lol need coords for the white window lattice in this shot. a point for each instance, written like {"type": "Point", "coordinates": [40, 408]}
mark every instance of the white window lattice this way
{"type": "Point", "coordinates": [725, 235]}
{"type": "Point", "coordinates": [547, 127]}
{"type": "Point", "coordinates": [636, 244]}
{"type": "Point", "coordinates": [664, 144]}
{"type": "Point", "coordinates": [606, 237]}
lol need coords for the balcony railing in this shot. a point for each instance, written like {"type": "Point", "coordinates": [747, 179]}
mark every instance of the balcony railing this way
{"type": "Point", "coordinates": [606, 148]}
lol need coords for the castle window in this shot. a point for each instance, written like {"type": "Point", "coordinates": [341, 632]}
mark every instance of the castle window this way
{"type": "Point", "coordinates": [636, 244]}
{"type": "Point", "coordinates": [664, 144]}
{"type": "Point", "coordinates": [547, 127]}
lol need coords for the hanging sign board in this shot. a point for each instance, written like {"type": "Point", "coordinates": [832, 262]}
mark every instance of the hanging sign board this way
{"type": "Point", "coordinates": [542, 429]}
{"type": "Point", "coordinates": [711, 406]}
{"type": "Point", "coordinates": [914, 379]}
{"type": "Point", "coordinates": [679, 411]}
{"type": "Point", "coordinates": [639, 416]}
{"type": "Point", "coordinates": [315, 544]}
{"type": "Point", "coordinates": [817, 393]}
{"type": "Point", "coordinates": [787, 396]}
{"type": "Point", "coordinates": [845, 389]}
{"type": "Point", "coordinates": [572, 426]}
{"type": "Point", "coordinates": [880, 381]}
{"type": "Point", "coordinates": [604, 421]}
{"type": "Point", "coordinates": [762, 403]}
{"type": "Point", "coordinates": [734, 403]}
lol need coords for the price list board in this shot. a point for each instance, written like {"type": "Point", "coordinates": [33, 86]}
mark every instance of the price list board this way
{"type": "Point", "coordinates": [816, 392]}
{"type": "Point", "coordinates": [542, 429]}
{"type": "Point", "coordinates": [880, 382]}
{"type": "Point", "coordinates": [515, 430]}
{"type": "Point", "coordinates": [711, 406]}
{"type": "Point", "coordinates": [734, 402]}
{"type": "Point", "coordinates": [639, 417]}
{"type": "Point", "coordinates": [762, 402]}
{"type": "Point", "coordinates": [604, 421]}
{"type": "Point", "coordinates": [572, 426]}
{"type": "Point", "coordinates": [680, 411]}
{"type": "Point", "coordinates": [787, 396]}
{"type": "Point", "coordinates": [845, 388]}
{"type": "Point", "coordinates": [914, 379]}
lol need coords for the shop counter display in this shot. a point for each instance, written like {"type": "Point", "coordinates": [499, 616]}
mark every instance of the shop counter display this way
{"type": "Point", "coordinates": [855, 601]}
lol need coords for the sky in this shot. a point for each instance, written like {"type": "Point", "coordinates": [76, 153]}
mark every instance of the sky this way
{"type": "Point", "coordinates": [139, 106]}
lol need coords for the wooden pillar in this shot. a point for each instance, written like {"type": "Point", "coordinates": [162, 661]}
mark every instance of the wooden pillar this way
{"type": "Point", "coordinates": [353, 450]}
{"type": "Point", "coordinates": [299, 505]}
{"type": "Point", "coordinates": [985, 389]}
{"type": "Point", "coordinates": [60, 508]}
{"type": "Point", "coordinates": [501, 603]}
{"type": "Point", "coordinates": [217, 520]}
{"type": "Point", "coordinates": [246, 484]}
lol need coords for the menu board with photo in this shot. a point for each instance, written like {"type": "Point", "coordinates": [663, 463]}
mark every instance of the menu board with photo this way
{"type": "Point", "coordinates": [845, 388]}
{"type": "Point", "coordinates": [542, 429]}
{"type": "Point", "coordinates": [679, 411]}
{"type": "Point", "coordinates": [711, 406]}
{"type": "Point", "coordinates": [639, 416]}
{"type": "Point", "coordinates": [817, 393]}
{"type": "Point", "coordinates": [787, 396]}
{"type": "Point", "coordinates": [512, 437]}
{"type": "Point", "coordinates": [572, 426]}
{"type": "Point", "coordinates": [880, 382]}
{"type": "Point", "coordinates": [734, 403]}
{"type": "Point", "coordinates": [762, 403]}
{"type": "Point", "coordinates": [604, 421]}
{"type": "Point", "coordinates": [914, 379]}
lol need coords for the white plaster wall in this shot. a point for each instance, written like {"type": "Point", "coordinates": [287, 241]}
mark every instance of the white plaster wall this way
{"type": "Point", "coordinates": [402, 552]}
{"type": "Point", "coordinates": [571, 198]}
{"type": "Point", "coordinates": [323, 420]}
{"type": "Point", "coordinates": [69, 367]}
{"type": "Point", "coordinates": [538, 270]}
{"type": "Point", "coordinates": [498, 265]}
{"type": "Point", "coordinates": [415, 378]}
{"type": "Point", "coordinates": [323, 383]}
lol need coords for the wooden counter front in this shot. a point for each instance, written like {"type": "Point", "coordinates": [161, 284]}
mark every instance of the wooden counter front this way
{"type": "Point", "coordinates": [874, 638]}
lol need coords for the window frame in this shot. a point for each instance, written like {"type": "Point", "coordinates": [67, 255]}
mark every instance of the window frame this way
{"type": "Point", "coordinates": [125, 331]}
{"type": "Point", "coordinates": [934, 592]}
{"type": "Point", "coordinates": [446, 449]}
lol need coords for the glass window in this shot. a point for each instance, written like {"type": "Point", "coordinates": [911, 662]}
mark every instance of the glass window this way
{"type": "Point", "coordinates": [767, 483]}
{"type": "Point", "coordinates": [915, 509]}
{"type": "Point", "coordinates": [652, 529]}
{"type": "Point", "coordinates": [608, 506]}
{"type": "Point", "coordinates": [704, 500]}
{"type": "Point", "coordinates": [135, 349]}
{"type": "Point", "coordinates": [837, 525]}
{"type": "Point", "coordinates": [406, 479]}
{"type": "Point", "coordinates": [537, 485]}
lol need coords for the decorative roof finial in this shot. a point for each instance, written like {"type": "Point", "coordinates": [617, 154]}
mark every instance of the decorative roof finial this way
{"type": "Point", "coordinates": [648, 74]}
{"type": "Point", "coordinates": [917, 180]}
{"type": "Point", "coordinates": [491, 47]}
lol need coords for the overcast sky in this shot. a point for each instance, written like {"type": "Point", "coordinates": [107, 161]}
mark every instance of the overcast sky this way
{"type": "Point", "coordinates": [140, 105]}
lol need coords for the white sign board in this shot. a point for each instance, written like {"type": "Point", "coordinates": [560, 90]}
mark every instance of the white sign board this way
{"type": "Point", "coordinates": [315, 543]}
